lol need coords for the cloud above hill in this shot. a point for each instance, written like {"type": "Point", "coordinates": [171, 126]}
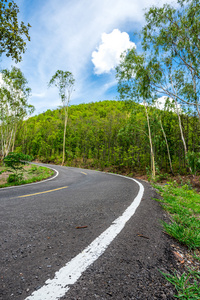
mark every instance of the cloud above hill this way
{"type": "Point", "coordinates": [107, 55]}
{"type": "Point", "coordinates": [84, 37]}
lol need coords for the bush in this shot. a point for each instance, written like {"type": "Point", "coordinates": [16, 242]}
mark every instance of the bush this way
{"type": "Point", "coordinates": [14, 178]}
{"type": "Point", "coordinates": [15, 162]}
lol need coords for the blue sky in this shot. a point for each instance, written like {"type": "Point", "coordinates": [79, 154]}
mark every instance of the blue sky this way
{"type": "Point", "coordinates": [81, 36]}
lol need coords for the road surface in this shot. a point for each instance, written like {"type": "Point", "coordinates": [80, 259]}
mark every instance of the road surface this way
{"type": "Point", "coordinates": [48, 227]}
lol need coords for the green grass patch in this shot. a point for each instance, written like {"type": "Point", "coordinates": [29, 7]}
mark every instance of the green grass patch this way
{"type": "Point", "coordinates": [187, 284]}
{"type": "Point", "coordinates": [183, 205]}
{"type": "Point", "coordinates": [31, 173]}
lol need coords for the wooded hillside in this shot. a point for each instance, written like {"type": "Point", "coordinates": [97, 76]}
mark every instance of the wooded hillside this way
{"type": "Point", "coordinates": [111, 135]}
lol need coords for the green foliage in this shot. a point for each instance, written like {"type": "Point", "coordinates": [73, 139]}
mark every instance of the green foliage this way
{"type": "Point", "coordinates": [14, 163]}
{"type": "Point", "coordinates": [183, 204]}
{"type": "Point", "coordinates": [116, 140]}
{"type": "Point", "coordinates": [14, 107]}
{"type": "Point", "coordinates": [33, 169]}
{"type": "Point", "coordinates": [187, 285]}
{"type": "Point", "coordinates": [64, 80]}
{"type": "Point", "coordinates": [172, 35]}
{"type": "Point", "coordinates": [12, 33]}
{"type": "Point", "coordinates": [194, 161]}
{"type": "Point", "coordinates": [15, 178]}
{"type": "Point", "coordinates": [34, 174]}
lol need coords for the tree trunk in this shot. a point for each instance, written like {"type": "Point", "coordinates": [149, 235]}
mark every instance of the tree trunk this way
{"type": "Point", "coordinates": [65, 127]}
{"type": "Point", "coordinates": [180, 125]}
{"type": "Point", "coordinates": [169, 157]}
{"type": "Point", "coordinates": [153, 169]}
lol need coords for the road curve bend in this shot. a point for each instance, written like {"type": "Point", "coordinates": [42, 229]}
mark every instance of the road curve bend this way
{"type": "Point", "coordinates": [54, 233]}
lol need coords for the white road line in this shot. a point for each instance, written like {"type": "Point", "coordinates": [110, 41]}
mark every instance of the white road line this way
{"type": "Point", "coordinates": [18, 186]}
{"type": "Point", "coordinates": [58, 286]}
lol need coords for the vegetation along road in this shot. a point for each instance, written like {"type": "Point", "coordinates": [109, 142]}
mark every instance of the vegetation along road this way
{"type": "Point", "coordinates": [47, 226]}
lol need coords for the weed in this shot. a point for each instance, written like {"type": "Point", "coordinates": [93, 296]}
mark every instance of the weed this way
{"type": "Point", "coordinates": [183, 205]}
{"type": "Point", "coordinates": [34, 174]}
{"type": "Point", "coordinates": [187, 284]}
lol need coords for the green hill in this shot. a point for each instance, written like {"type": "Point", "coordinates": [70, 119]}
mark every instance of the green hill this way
{"type": "Point", "coordinates": [110, 135]}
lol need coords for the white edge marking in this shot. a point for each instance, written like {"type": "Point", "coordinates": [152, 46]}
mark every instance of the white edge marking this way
{"type": "Point", "coordinates": [58, 286]}
{"type": "Point", "coordinates": [41, 181]}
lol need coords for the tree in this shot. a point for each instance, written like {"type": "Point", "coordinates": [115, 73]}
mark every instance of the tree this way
{"type": "Point", "coordinates": [14, 106]}
{"type": "Point", "coordinates": [12, 33]}
{"type": "Point", "coordinates": [172, 35]}
{"type": "Point", "coordinates": [134, 82]}
{"type": "Point", "coordinates": [64, 80]}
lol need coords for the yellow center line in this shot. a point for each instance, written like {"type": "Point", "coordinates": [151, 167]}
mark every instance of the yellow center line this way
{"type": "Point", "coordinates": [84, 173]}
{"type": "Point", "coordinates": [49, 191]}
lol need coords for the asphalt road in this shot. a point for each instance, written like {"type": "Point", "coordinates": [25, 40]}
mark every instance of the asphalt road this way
{"type": "Point", "coordinates": [44, 226]}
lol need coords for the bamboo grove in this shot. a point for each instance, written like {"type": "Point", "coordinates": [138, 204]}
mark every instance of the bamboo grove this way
{"type": "Point", "coordinates": [111, 135]}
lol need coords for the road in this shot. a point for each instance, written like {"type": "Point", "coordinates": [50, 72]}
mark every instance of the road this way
{"type": "Point", "coordinates": [46, 226]}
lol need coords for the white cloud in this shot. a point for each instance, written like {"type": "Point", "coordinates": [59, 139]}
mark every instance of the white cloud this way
{"type": "Point", "coordinates": [38, 95]}
{"type": "Point", "coordinates": [64, 36]}
{"type": "Point", "coordinates": [107, 56]}
{"type": "Point", "coordinates": [167, 103]}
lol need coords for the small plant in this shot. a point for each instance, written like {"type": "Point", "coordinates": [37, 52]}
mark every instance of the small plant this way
{"type": "Point", "coordinates": [194, 161]}
{"type": "Point", "coordinates": [183, 205]}
{"type": "Point", "coordinates": [2, 171]}
{"type": "Point", "coordinates": [187, 285]}
{"type": "Point", "coordinates": [33, 169]}
{"type": "Point", "coordinates": [196, 257]}
{"type": "Point", "coordinates": [14, 163]}
{"type": "Point", "coordinates": [14, 178]}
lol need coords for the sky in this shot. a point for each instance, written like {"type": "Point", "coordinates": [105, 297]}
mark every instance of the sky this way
{"type": "Point", "coordinates": [81, 36]}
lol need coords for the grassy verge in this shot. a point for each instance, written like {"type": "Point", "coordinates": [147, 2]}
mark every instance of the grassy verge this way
{"type": "Point", "coordinates": [31, 173]}
{"type": "Point", "coordinates": [183, 206]}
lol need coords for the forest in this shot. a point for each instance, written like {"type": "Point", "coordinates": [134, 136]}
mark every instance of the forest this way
{"type": "Point", "coordinates": [112, 135]}
{"type": "Point", "coordinates": [131, 135]}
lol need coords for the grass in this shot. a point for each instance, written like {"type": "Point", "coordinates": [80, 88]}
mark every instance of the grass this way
{"type": "Point", "coordinates": [187, 285]}
{"type": "Point", "coordinates": [183, 205]}
{"type": "Point", "coordinates": [31, 173]}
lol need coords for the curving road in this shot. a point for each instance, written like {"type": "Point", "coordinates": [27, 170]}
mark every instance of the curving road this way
{"type": "Point", "coordinates": [71, 222]}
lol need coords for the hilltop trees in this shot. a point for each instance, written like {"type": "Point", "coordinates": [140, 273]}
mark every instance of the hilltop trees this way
{"type": "Point", "coordinates": [64, 80]}
{"type": "Point", "coordinates": [12, 33]}
{"type": "Point", "coordinates": [111, 135]}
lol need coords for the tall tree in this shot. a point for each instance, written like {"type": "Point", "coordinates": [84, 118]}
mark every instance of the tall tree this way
{"type": "Point", "coordinates": [64, 80]}
{"type": "Point", "coordinates": [12, 33]}
{"type": "Point", "coordinates": [14, 107]}
{"type": "Point", "coordinates": [134, 82]}
{"type": "Point", "coordinates": [174, 32]}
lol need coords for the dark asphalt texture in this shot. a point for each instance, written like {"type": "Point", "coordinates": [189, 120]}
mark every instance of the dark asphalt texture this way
{"type": "Point", "coordinates": [39, 235]}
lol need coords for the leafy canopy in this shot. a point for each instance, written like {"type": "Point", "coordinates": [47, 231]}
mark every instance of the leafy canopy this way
{"type": "Point", "coordinates": [12, 33]}
{"type": "Point", "coordinates": [64, 80]}
{"type": "Point", "coordinates": [172, 34]}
